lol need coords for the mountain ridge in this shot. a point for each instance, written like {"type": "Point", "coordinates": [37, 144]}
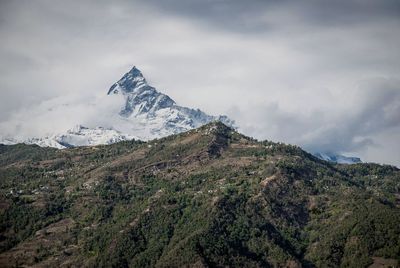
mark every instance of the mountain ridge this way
{"type": "Point", "coordinates": [208, 197]}
{"type": "Point", "coordinates": [140, 97]}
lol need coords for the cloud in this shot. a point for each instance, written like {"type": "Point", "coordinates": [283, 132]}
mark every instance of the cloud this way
{"type": "Point", "coordinates": [322, 75]}
{"type": "Point", "coordinates": [255, 16]}
{"type": "Point", "coordinates": [58, 115]}
{"type": "Point", "coordinates": [371, 109]}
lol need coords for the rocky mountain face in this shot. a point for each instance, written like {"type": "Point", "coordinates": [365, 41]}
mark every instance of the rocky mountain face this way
{"type": "Point", "coordinates": [159, 115]}
{"type": "Point", "coordinates": [140, 97]}
{"type": "Point", "coordinates": [209, 197]}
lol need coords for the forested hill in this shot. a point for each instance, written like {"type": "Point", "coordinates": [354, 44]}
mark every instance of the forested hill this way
{"type": "Point", "coordinates": [210, 197]}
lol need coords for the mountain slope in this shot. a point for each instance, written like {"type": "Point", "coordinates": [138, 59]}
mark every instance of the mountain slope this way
{"type": "Point", "coordinates": [210, 197]}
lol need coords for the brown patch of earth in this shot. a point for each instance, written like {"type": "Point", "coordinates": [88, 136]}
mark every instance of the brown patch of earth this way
{"type": "Point", "coordinates": [384, 263]}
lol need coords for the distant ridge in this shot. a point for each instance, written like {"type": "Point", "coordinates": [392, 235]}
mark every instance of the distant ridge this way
{"type": "Point", "coordinates": [145, 114]}
{"type": "Point", "coordinates": [337, 158]}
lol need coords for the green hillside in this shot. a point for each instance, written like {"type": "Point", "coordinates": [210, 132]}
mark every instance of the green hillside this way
{"type": "Point", "coordinates": [210, 197]}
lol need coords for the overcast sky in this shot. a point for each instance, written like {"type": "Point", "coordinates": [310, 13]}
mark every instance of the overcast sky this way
{"type": "Point", "coordinates": [321, 74]}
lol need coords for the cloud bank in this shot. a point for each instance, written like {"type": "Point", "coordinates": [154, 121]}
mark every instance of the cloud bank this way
{"type": "Point", "coordinates": [321, 75]}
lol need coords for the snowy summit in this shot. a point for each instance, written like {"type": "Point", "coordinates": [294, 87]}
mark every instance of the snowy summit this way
{"type": "Point", "coordinates": [156, 113]}
{"type": "Point", "coordinates": [145, 114]}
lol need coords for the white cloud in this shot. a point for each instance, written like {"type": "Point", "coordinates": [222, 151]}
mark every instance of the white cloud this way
{"type": "Point", "coordinates": [57, 115]}
{"type": "Point", "coordinates": [285, 72]}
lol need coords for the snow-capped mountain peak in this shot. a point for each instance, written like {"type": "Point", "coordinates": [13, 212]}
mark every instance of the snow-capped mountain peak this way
{"type": "Point", "coordinates": [76, 136]}
{"type": "Point", "coordinates": [156, 113]}
{"type": "Point", "coordinates": [132, 80]}
{"type": "Point", "coordinates": [337, 158]}
{"type": "Point", "coordinates": [140, 98]}
{"type": "Point", "coordinates": [145, 114]}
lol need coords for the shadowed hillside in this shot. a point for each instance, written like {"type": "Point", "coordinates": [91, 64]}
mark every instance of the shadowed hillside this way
{"type": "Point", "coordinates": [210, 197]}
